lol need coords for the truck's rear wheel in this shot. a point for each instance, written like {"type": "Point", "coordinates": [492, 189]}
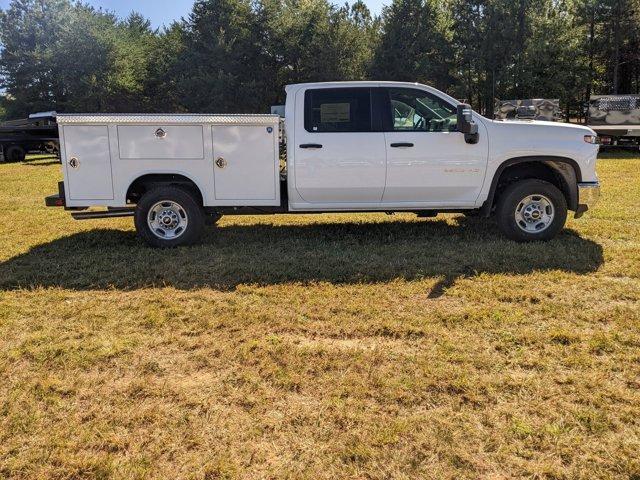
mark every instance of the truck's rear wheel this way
{"type": "Point", "coordinates": [169, 217]}
{"type": "Point", "coordinates": [531, 210]}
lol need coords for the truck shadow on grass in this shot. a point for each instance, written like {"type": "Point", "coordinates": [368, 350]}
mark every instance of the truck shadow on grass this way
{"type": "Point", "coordinates": [266, 255]}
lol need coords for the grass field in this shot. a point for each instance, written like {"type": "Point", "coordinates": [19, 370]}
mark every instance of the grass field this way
{"type": "Point", "coordinates": [313, 347]}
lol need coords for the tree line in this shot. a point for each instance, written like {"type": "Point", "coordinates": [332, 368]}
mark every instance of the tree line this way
{"type": "Point", "coordinates": [237, 55]}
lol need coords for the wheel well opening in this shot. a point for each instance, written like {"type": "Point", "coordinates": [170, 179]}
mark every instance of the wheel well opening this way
{"type": "Point", "coordinates": [549, 171]}
{"type": "Point", "coordinates": [148, 182]}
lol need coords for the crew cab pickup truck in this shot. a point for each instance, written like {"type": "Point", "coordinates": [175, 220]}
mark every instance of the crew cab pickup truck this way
{"type": "Point", "coordinates": [350, 147]}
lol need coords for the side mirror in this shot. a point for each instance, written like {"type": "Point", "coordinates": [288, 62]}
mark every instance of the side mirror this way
{"type": "Point", "coordinates": [466, 124]}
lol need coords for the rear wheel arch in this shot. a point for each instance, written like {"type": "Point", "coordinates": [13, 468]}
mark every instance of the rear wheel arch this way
{"type": "Point", "coordinates": [562, 172]}
{"type": "Point", "coordinates": [147, 182]}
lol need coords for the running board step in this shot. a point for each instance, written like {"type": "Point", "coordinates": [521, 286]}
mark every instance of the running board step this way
{"type": "Point", "coordinates": [111, 213]}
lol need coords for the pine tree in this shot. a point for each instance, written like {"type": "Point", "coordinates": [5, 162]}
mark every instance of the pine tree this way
{"type": "Point", "coordinates": [132, 44]}
{"type": "Point", "coordinates": [552, 68]}
{"type": "Point", "coordinates": [413, 45]}
{"type": "Point", "coordinates": [222, 67]}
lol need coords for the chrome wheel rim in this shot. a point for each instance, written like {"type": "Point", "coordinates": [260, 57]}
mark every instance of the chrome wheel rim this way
{"type": "Point", "coordinates": [534, 213]}
{"type": "Point", "coordinates": [167, 220]}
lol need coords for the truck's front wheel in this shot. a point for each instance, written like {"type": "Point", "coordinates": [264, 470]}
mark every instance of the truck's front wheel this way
{"type": "Point", "coordinates": [169, 216]}
{"type": "Point", "coordinates": [531, 210]}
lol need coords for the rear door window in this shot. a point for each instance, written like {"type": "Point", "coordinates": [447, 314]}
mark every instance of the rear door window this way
{"type": "Point", "coordinates": [338, 110]}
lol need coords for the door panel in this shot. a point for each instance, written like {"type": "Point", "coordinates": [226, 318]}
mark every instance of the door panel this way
{"type": "Point", "coordinates": [245, 162]}
{"type": "Point", "coordinates": [428, 160]}
{"type": "Point", "coordinates": [440, 168]}
{"type": "Point", "coordinates": [350, 167]}
{"type": "Point", "coordinates": [88, 162]}
{"type": "Point", "coordinates": [338, 159]}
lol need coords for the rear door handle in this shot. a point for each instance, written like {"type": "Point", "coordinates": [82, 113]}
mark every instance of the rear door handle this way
{"type": "Point", "coordinates": [310, 145]}
{"type": "Point", "coordinates": [401, 145]}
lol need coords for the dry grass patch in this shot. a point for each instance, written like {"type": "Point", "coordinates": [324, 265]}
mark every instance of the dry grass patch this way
{"type": "Point", "coordinates": [339, 346]}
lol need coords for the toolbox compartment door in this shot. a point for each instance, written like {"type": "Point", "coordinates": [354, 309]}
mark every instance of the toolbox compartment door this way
{"type": "Point", "coordinates": [87, 162]}
{"type": "Point", "coordinates": [246, 164]}
{"type": "Point", "coordinates": [159, 142]}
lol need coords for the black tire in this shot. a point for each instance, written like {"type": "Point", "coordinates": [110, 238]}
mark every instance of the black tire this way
{"type": "Point", "coordinates": [510, 204]}
{"type": "Point", "coordinates": [15, 153]}
{"type": "Point", "coordinates": [179, 201]}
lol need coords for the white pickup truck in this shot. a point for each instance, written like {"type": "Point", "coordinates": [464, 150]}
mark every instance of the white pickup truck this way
{"type": "Point", "coordinates": [350, 147]}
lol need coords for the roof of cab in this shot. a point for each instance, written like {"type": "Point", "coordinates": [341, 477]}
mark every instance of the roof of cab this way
{"type": "Point", "coordinates": [342, 84]}
{"type": "Point", "coordinates": [355, 83]}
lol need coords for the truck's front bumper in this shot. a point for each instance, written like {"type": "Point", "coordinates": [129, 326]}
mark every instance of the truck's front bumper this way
{"type": "Point", "coordinates": [588, 196]}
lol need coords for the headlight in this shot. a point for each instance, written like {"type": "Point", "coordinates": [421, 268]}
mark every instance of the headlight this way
{"type": "Point", "coordinates": [592, 139]}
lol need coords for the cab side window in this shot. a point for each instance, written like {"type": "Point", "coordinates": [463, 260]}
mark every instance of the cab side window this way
{"type": "Point", "coordinates": [418, 111]}
{"type": "Point", "coordinates": [338, 110]}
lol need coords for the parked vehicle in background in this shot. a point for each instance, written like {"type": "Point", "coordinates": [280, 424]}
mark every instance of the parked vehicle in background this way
{"type": "Point", "coordinates": [530, 109]}
{"type": "Point", "coordinates": [616, 119]}
{"type": "Point", "coordinates": [36, 134]}
{"type": "Point", "coordinates": [350, 147]}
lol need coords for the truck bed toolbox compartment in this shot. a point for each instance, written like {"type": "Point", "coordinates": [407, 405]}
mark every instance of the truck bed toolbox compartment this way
{"type": "Point", "coordinates": [87, 162]}
{"type": "Point", "coordinates": [232, 159]}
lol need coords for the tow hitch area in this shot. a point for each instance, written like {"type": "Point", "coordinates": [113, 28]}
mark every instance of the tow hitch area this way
{"type": "Point", "coordinates": [58, 199]}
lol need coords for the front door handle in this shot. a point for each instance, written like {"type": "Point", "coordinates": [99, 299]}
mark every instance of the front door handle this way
{"type": "Point", "coordinates": [310, 145]}
{"type": "Point", "coordinates": [402, 145]}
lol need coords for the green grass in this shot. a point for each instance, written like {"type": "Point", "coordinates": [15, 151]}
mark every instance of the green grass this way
{"type": "Point", "coordinates": [333, 346]}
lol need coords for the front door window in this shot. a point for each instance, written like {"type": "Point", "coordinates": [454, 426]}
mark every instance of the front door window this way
{"type": "Point", "coordinates": [418, 111]}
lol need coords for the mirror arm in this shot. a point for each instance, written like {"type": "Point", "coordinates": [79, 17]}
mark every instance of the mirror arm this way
{"type": "Point", "coordinates": [472, 138]}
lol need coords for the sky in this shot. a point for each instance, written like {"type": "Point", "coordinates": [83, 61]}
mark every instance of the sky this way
{"type": "Point", "coordinates": [164, 12]}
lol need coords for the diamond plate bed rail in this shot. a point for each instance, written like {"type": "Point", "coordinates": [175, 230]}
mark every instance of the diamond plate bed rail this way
{"type": "Point", "coordinates": [65, 119]}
